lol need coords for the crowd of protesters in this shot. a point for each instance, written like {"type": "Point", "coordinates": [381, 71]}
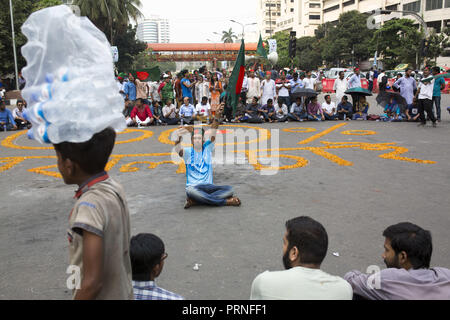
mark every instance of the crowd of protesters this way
{"type": "Point", "coordinates": [268, 97]}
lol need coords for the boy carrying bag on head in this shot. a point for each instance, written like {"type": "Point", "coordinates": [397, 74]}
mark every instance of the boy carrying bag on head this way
{"type": "Point", "coordinates": [99, 223]}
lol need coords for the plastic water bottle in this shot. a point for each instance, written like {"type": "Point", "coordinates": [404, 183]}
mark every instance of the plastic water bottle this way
{"type": "Point", "coordinates": [182, 121]}
{"type": "Point", "coordinates": [345, 117]}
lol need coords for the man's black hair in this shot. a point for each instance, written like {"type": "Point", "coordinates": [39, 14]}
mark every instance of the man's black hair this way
{"type": "Point", "coordinates": [310, 238]}
{"type": "Point", "coordinates": [146, 251]}
{"type": "Point", "coordinates": [140, 99]}
{"type": "Point", "coordinates": [341, 72]}
{"type": "Point", "coordinates": [269, 100]}
{"type": "Point", "coordinates": [92, 156]}
{"type": "Point", "coordinates": [327, 96]}
{"type": "Point", "coordinates": [413, 240]}
{"type": "Point", "coordinates": [436, 69]}
{"type": "Point", "coordinates": [345, 98]}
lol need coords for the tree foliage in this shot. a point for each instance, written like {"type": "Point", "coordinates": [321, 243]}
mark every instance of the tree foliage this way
{"type": "Point", "coordinates": [21, 10]}
{"type": "Point", "coordinates": [228, 36]}
{"type": "Point", "coordinates": [129, 49]}
{"type": "Point", "coordinates": [398, 40]}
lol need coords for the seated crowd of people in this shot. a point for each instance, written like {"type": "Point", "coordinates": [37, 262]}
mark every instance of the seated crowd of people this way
{"type": "Point", "coordinates": [407, 255]}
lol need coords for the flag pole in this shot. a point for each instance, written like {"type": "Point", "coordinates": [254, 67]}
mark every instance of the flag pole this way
{"type": "Point", "coordinates": [14, 44]}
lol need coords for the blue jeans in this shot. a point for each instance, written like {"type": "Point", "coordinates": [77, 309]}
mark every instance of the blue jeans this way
{"type": "Point", "coordinates": [437, 103]}
{"type": "Point", "coordinates": [209, 194]}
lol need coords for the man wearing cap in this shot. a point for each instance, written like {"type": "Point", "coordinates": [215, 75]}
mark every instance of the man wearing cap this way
{"type": "Point", "coordinates": [355, 80]}
{"type": "Point", "coordinates": [253, 87]}
{"type": "Point", "coordinates": [165, 89]}
{"type": "Point", "coordinates": [268, 89]}
{"type": "Point", "coordinates": [120, 86]}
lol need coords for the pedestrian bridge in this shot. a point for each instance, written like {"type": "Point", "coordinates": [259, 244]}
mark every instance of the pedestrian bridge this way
{"type": "Point", "coordinates": [177, 52]}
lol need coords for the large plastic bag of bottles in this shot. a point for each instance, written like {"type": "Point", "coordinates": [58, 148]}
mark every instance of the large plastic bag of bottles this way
{"type": "Point", "coordinates": [70, 86]}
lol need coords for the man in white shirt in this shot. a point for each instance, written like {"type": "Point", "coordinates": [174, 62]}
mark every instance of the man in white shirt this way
{"type": "Point", "coordinates": [202, 110]}
{"type": "Point", "coordinates": [281, 111]}
{"type": "Point", "coordinates": [283, 88]}
{"type": "Point", "coordinates": [253, 87]}
{"type": "Point", "coordinates": [268, 89]}
{"type": "Point", "coordinates": [305, 246]}
{"type": "Point", "coordinates": [329, 108]}
{"type": "Point", "coordinates": [381, 84]}
{"type": "Point", "coordinates": [425, 95]}
{"type": "Point", "coordinates": [153, 91]}
{"type": "Point", "coordinates": [201, 89]}
{"type": "Point", "coordinates": [170, 113]}
{"type": "Point", "coordinates": [340, 86]}
{"type": "Point", "coordinates": [308, 82]}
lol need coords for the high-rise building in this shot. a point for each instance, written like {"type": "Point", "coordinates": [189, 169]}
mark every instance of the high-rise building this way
{"type": "Point", "coordinates": [267, 13]}
{"type": "Point", "coordinates": [300, 16]}
{"type": "Point", "coordinates": [154, 30]}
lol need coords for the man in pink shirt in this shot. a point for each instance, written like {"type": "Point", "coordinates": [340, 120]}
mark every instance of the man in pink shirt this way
{"type": "Point", "coordinates": [315, 112]}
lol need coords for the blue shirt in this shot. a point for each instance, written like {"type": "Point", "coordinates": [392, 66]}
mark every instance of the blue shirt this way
{"type": "Point", "coordinates": [347, 106]}
{"type": "Point", "coordinates": [199, 168]}
{"type": "Point", "coordinates": [186, 91]}
{"type": "Point", "coordinates": [148, 290]}
{"type": "Point", "coordinates": [130, 90]}
{"type": "Point", "coordinates": [295, 84]}
{"type": "Point", "coordinates": [354, 82]}
{"type": "Point", "coordinates": [6, 117]}
{"type": "Point", "coordinates": [188, 111]}
{"type": "Point", "coordinates": [437, 86]}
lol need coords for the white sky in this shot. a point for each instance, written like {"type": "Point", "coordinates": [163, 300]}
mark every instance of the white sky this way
{"type": "Point", "coordinates": [194, 21]}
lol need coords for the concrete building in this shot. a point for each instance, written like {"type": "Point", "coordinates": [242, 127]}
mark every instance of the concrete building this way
{"type": "Point", "coordinates": [154, 30]}
{"type": "Point", "coordinates": [267, 13]}
{"type": "Point", "coordinates": [301, 16]}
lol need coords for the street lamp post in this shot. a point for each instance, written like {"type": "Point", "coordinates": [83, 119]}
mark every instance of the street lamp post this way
{"type": "Point", "coordinates": [14, 44]}
{"type": "Point", "coordinates": [243, 26]}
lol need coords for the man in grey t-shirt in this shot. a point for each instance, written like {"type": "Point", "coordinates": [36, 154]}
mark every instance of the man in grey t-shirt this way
{"type": "Point", "coordinates": [407, 255]}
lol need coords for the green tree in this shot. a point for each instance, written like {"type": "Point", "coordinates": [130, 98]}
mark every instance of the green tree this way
{"type": "Point", "coordinates": [21, 10]}
{"type": "Point", "coordinates": [308, 53]}
{"type": "Point", "coordinates": [438, 42]}
{"type": "Point", "coordinates": [349, 40]}
{"type": "Point", "coordinates": [121, 12]}
{"type": "Point", "coordinates": [129, 48]}
{"type": "Point", "coordinates": [41, 4]}
{"type": "Point", "coordinates": [398, 40]}
{"type": "Point", "coordinates": [228, 36]}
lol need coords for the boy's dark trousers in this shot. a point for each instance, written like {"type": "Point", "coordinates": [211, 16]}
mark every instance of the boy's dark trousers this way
{"type": "Point", "coordinates": [426, 105]}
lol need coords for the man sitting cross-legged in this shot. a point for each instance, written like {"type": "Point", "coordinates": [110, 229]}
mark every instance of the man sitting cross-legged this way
{"type": "Point", "coordinates": [199, 170]}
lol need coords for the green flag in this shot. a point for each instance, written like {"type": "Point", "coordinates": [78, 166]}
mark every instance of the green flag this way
{"type": "Point", "coordinates": [237, 78]}
{"type": "Point", "coordinates": [152, 74]}
{"type": "Point", "coordinates": [260, 50]}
